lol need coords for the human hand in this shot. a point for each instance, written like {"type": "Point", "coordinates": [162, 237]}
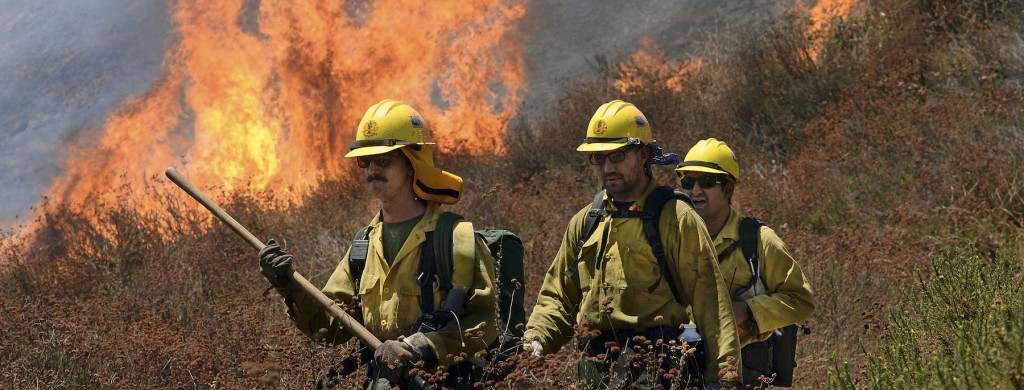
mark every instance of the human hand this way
{"type": "Point", "coordinates": [739, 309]}
{"type": "Point", "coordinates": [402, 353]}
{"type": "Point", "coordinates": [276, 265]}
{"type": "Point", "coordinates": [535, 348]}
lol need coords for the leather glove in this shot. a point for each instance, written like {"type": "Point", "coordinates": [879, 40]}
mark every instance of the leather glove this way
{"type": "Point", "coordinates": [276, 265]}
{"type": "Point", "coordinates": [402, 353]}
{"type": "Point", "coordinates": [535, 348]}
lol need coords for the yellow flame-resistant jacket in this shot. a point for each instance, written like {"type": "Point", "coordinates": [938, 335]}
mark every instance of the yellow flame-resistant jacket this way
{"type": "Point", "coordinates": [788, 298]}
{"type": "Point", "coordinates": [628, 269]}
{"type": "Point", "coordinates": [391, 297]}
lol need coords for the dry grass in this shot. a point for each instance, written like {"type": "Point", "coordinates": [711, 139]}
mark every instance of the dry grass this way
{"type": "Point", "coordinates": [902, 137]}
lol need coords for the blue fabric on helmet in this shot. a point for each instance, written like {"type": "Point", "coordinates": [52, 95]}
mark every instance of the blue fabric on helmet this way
{"type": "Point", "coordinates": [660, 158]}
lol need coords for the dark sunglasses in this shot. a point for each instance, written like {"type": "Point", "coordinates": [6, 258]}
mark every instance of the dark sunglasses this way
{"type": "Point", "coordinates": [705, 182]}
{"type": "Point", "coordinates": [615, 157]}
{"type": "Point", "coordinates": [382, 160]}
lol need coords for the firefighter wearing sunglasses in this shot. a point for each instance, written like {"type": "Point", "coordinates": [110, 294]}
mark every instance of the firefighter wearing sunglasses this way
{"type": "Point", "coordinates": [609, 277]}
{"type": "Point", "coordinates": [381, 273]}
{"type": "Point", "coordinates": [769, 291]}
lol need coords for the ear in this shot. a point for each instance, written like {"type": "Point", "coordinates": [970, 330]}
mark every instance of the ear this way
{"type": "Point", "coordinates": [727, 190]}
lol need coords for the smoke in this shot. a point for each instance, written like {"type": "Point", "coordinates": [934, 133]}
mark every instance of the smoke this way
{"type": "Point", "coordinates": [64, 66]}
{"type": "Point", "coordinates": [67, 67]}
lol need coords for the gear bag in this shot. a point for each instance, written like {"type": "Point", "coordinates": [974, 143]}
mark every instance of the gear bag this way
{"type": "Point", "coordinates": [436, 260]}
{"type": "Point", "coordinates": [782, 340]}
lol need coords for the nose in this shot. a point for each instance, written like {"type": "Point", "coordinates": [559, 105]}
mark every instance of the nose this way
{"type": "Point", "coordinates": [697, 189]}
{"type": "Point", "coordinates": [608, 166]}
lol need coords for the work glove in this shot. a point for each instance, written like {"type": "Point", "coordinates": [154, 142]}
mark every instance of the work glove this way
{"type": "Point", "coordinates": [399, 355]}
{"type": "Point", "coordinates": [276, 265]}
{"type": "Point", "coordinates": [535, 348]}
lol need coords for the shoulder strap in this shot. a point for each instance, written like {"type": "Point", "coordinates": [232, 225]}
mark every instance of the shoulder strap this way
{"type": "Point", "coordinates": [443, 233]}
{"type": "Point", "coordinates": [436, 260]}
{"type": "Point", "coordinates": [651, 215]}
{"type": "Point", "coordinates": [750, 230]}
{"type": "Point", "coordinates": [425, 273]}
{"type": "Point", "coordinates": [589, 225]}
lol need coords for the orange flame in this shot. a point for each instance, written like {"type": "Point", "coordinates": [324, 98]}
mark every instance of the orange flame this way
{"type": "Point", "coordinates": [255, 96]}
{"type": "Point", "coordinates": [649, 64]}
{"type": "Point", "coordinates": [825, 10]}
{"type": "Point", "coordinates": [821, 15]}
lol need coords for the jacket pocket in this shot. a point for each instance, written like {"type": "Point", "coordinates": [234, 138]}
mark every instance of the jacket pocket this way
{"type": "Point", "coordinates": [369, 296]}
{"type": "Point", "coordinates": [409, 307]}
{"type": "Point", "coordinates": [641, 273]}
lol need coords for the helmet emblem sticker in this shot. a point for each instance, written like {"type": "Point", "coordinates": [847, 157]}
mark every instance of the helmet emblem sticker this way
{"type": "Point", "coordinates": [600, 127]}
{"type": "Point", "coordinates": [371, 129]}
{"type": "Point", "coordinates": [417, 122]}
{"type": "Point", "coordinates": [640, 122]}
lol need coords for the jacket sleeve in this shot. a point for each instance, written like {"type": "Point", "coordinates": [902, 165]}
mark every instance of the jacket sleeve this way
{"type": "Point", "coordinates": [553, 316]}
{"type": "Point", "coordinates": [789, 299]}
{"type": "Point", "coordinates": [478, 326]}
{"type": "Point", "coordinates": [703, 287]}
{"type": "Point", "coordinates": [314, 321]}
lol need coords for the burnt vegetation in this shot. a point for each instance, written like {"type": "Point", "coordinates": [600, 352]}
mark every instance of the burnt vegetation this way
{"type": "Point", "coordinates": [886, 150]}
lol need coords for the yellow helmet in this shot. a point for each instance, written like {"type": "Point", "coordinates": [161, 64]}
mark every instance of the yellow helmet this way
{"type": "Point", "coordinates": [614, 125]}
{"type": "Point", "coordinates": [387, 126]}
{"type": "Point", "coordinates": [711, 156]}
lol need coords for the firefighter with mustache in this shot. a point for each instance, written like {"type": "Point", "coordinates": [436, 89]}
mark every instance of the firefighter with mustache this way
{"type": "Point", "coordinates": [769, 291]}
{"type": "Point", "coordinates": [397, 297]}
{"type": "Point", "coordinates": [630, 264]}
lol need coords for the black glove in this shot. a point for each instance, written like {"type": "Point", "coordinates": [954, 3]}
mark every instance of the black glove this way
{"type": "Point", "coordinates": [276, 265]}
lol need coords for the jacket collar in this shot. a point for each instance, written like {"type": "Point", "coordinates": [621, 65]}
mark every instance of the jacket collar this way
{"type": "Point", "coordinates": [430, 216]}
{"type": "Point", "coordinates": [731, 231]}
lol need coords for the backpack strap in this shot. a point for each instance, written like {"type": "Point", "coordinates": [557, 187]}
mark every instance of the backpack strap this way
{"type": "Point", "coordinates": [750, 232]}
{"type": "Point", "coordinates": [589, 225]}
{"type": "Point", "coordinates": [463, 266]}
{"type": "Point", "coordinates": [426, 272]}
{"type": "Point", "coordinates": [438, 258]}
{"type": "Point", "coordinates": [651, 215]}
{"type": "Point", "coordinates": [443, 240]}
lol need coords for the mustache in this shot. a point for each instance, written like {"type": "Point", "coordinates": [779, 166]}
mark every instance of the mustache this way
{"type": "Point", "coordinates": [378, 176]}
{"type": "Point", "coordinates": [612, 176]}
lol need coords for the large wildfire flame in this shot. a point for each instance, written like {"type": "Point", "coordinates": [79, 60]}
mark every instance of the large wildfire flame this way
{"type": "Point", "coordinates": [271, 92]}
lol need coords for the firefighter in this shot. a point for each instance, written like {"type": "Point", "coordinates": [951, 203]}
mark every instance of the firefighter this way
{"type": "Point", "coordinates": [392, 148]}
{"type": "Point", "coordinates": [768, 289]}
{"type": "Point", "coordinates": [610, 279]}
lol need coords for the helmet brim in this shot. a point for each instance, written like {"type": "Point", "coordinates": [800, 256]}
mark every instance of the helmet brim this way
{"type": "Point", "coordinates": [374, 150]}
{"type": "Point", "coordinates": [697, 168]}
{"type": "Point", "coordinates": [600, 147]}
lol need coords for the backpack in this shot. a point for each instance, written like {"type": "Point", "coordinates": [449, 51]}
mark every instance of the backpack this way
{"type": "Point", "coordinates": [783, 340]}
{"type": "Point", "coordinates": [436, 260]}
{"type": "Point", "coordinates": [650, 216]}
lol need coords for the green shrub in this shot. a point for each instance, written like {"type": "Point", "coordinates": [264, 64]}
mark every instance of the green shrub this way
{"type": "Point", "coordinates": [964, 328]}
